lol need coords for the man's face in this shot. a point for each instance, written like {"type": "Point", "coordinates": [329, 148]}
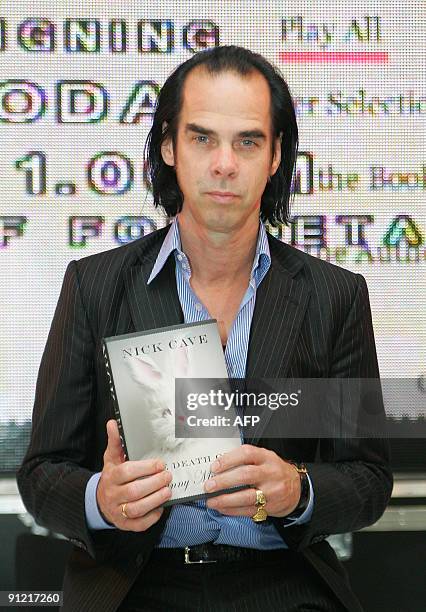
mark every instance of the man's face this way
{"type": "Point", "coordinates": [223, 154]}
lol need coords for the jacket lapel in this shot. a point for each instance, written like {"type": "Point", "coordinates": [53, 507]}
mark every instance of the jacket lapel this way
{"type": "Point", "coordinates": [157, 304]}
{"type": "Point", "coordinates": [281, 303]}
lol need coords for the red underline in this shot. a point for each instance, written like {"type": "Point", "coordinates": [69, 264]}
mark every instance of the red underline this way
{"type": "Point", "coordinates": [351, 57]}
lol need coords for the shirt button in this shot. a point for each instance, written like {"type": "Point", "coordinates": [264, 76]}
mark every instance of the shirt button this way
{"type": "Point", "coordinates": [179, 257]}
{"type": "Point", "coordinates": [198, 306]}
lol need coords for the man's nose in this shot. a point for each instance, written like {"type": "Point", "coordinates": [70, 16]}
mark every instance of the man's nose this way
{"type": "Point", "coordinates": [224, 162]}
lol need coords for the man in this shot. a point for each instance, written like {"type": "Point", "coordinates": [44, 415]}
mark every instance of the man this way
{"type": "Point", "coordinates": [221, 155]}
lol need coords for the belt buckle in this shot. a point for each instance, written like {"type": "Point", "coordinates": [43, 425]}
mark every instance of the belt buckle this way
{"type": "Point", "coordinates": [188, 561]}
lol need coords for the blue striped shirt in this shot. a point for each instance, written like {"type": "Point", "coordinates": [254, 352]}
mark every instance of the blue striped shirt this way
{"type": "Point", "coordinates": [193, 523]}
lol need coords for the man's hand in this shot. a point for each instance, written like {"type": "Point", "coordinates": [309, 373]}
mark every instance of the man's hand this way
{"type": "Point", "coordinates": [119, 483]}
{"type": "Point", "coordinates": [261, 469]}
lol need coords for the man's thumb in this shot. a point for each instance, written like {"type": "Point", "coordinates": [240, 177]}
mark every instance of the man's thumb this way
{"type": "Point", "coordinates": [114, 449]}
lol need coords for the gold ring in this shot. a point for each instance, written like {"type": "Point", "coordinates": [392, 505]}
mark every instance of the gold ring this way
{"type": "Point", "coordinates": [260, 514]}
{"type": "Point", "coordinates": [123, 510]}
{"type": "Point", "coordinates": [260, 498]}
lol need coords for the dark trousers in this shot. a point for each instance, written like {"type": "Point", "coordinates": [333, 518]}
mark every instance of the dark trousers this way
{"type": "Point", "coordinates": [289, 585]}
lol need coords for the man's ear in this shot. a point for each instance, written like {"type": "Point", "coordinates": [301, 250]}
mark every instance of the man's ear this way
{"type": "Point", "coordinates": [276, 159]}
{"type": "Point", "coordinates": [167, 149]}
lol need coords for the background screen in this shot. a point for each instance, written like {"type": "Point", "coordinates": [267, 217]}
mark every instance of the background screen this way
{"type": "Point", "coordinates": [78, 85]}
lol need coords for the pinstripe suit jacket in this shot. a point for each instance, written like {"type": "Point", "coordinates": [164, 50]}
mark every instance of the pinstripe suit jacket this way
{"type": "Point", "coordinates": [311, 319]}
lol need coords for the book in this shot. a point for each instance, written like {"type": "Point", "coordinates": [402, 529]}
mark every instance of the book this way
{"type": "Point", "coordinates": [142, 369]}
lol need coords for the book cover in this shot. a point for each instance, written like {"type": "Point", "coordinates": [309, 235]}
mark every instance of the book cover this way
{"type": "Point", "coordinates": [142, 368]}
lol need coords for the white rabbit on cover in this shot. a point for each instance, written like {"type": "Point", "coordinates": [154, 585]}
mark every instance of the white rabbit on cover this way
{"type": "Point", "coordinates": [158, 388]}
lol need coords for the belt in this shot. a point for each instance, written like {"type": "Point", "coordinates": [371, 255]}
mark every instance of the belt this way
{"type": "Point", "coordinates": [213, 553]}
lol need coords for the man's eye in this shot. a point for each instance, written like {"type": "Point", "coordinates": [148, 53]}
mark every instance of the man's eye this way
{"type": "Point", "coordinates": [246, 143]}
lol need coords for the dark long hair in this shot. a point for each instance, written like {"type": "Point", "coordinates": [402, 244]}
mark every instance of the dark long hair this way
{"type": "Point", "coordinates": [275, 202]}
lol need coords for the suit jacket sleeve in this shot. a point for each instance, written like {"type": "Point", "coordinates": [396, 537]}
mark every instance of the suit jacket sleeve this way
{"type": "Point", "coordinates": [352, 482]}
{"type": "Point", "coordinates": [65, 444]}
